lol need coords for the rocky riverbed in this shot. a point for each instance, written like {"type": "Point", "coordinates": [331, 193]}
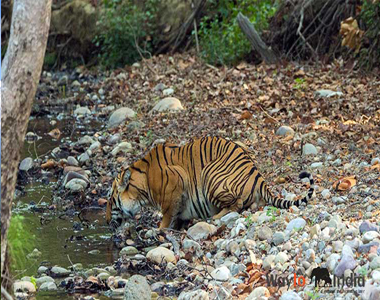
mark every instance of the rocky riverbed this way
{"type": "Point", "coordinates": [290, 119]}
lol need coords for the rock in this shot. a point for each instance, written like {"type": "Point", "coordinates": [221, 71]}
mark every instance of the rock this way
{"type": "Point", "coordinates": [129, 250]}
{"type": "Point", "coordinates": [265, 233]}
{"type": "Point", "coordinates": [48, 286]}
{"type": "Point", "coordinates": [376, 276]}
{"type": "Point", "coordinates": [85, 140]}
{"type": "Point", "coordinates": [26, 164]}
{"type": "Point", "coordinates": [43, 279]}
{"type": "Point", "coordinates": [222, 273]}
{"type": "Point", "coordinates": [24, 286]}
{"type": "Point", "coordinates": [159, 87]}
{"type": "Point", "coordinates": [42, 270]}
{"type": "Point", "coordinates": [315, 230]}
{"type": "Point", "coordinates": [94, 146]}
{"type": "Point", "coordinates": [34, 254]}
{"type": "Point", "coordinates": [290, 296]}
{"type": "Point", "coordinates": [368, 226]}
{"type": "Point", "coordinates": [137, 288]}
{"type": "Point", "coordinates": [168, 92]}
{"type": "Point", "coordinates": [316, 165]}
{"type": "Point", "coordinates": [259, 293]}
{"type": "Point", "coordinates": [103, 276]}
{"type": "Point", "coordinates": [268, 262]}
{"type": "Point", "coordinates": [369, 236]}
{"type": "Point", "coordinates": [71, 161]}
{"type": "Point", "coordinates": [75, 83]}
{"type": "Point", "coordinates": [82, 111]}
{"type": "Point", "coordinates": [278, 238]}
{"type": "Point", "coordinates": [76, 185]}
{"type": "Point", "coordinates": [59, 271]}
{"type": "Point", "coordinates": [337, 246]}
{"type": "Point", "coordinates": [119, 116]}
{"type": "Point", "coordinates": [281, 258]}
{"type": "Point", "coordinates": [347, 261]}
{"type": "Point", "coordinates": [332, 261]}
{"type": "Point", "coordinates": [367, 247]}
{"type": "Point", "coordinates": [309, 149]}
{"type": "Point", "coordinates": [326, 194]}
{"type": "Point", "coordinates": [84, 157]}
{"type": "Point", "coordinates": [284, 131]}
{"type": "Point", "coordinates": [191, 245]}
{"type": "Point", "coordinates": [375, 263]}
{"type": "Point", "coordinates": [327, 93]}
{"type": "Point", "coordinates": [160, 254]}
{"type": "Point", "coordinates": [122, 147]}
{"type": "Point", "coordinates": [71, 175]}
{"type": "Point", "coordinates": [201, 230]}
{"type": "Point", "coordinates": [230, 217]}
{"type": "Point", "coordinates": [63, 80]}
{"type": "Point", "coordinates": [168, 104]}
{"type": "Point", "coordinates": [310, 255]}
{"type": "Point", "coordinates": [296, 224]}
{"type": "Point", "coordinates": [194, 295]}
{"type": "Point", "coordinates": [135, 125]}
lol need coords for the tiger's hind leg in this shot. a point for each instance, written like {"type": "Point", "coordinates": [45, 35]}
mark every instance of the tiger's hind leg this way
{"type": "Point", "coordinates": [237, 206]}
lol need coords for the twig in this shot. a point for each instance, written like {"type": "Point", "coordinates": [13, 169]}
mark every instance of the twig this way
{"type": "Point", "coordinates": [300, 27]}
{"type": "Point", "coordinates": [6, 295]}
{"type": "Point", "coordinates": [75, 271]}
{"type": "Point", "coordinates": [268, 115]}
{"type": "Point", "coordinates": [196, 35]}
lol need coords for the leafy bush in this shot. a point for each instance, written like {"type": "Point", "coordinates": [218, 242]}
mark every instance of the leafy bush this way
{"type": "Point", "coordinates": [370, 20]}
{"type": "Point", "coordinates": [124, 31]}
{"type": "Point", "coordinates": [220, 37]}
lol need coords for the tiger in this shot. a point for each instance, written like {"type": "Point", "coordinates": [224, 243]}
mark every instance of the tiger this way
{"type": "Point", "coordinates": [207, 177]}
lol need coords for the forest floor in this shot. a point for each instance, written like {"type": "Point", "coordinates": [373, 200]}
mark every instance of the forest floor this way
{"type": "Point", "coordinates": [323, 119]}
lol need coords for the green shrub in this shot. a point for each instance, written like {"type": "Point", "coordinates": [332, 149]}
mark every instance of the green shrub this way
{"type": "Point", "coordinates": [220, 38]}
{"type": "Point", "coordinates": [124, 31]}
{"type": "Point", "coordinates": [369, 55]}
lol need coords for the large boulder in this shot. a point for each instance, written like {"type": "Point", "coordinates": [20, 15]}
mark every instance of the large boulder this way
{"type": "Point", "coordinates": [161, 254]}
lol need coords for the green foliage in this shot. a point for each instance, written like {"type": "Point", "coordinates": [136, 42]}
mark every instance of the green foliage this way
{"type": "Point", "coordinates": [124, 31]}
{"type": "Point", "coordinates": [50, 59]}
{"type": "Point", "coordinates": [272, 212]}
{"type": "Point", "coordinates": [300, 83]}
{"type": "Point", "coordinates": [369, 55]}
{"type": "Point", "coordinates": [20, 242]}
{"type": "Point", "coordinates": [249, 220]}
{"type": "Point", "coordinates": [221, 40]}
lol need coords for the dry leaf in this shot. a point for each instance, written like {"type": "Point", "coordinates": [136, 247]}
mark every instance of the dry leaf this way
{"type": "Point", "coordinates": [55, 133]}
{"type": "Point", "coordinates": [351, 33]}
{"type": "Point", "coordinates": [345, 183]}
{"type": "Point", "coordinates": [49, 164]}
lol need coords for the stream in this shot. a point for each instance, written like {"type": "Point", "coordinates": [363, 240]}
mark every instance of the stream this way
{"type": "Point", "coordinates": [61, 237]}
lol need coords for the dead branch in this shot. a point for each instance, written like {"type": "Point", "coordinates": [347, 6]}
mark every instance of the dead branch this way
{"type": "Point", "coordinates": [257, 43]}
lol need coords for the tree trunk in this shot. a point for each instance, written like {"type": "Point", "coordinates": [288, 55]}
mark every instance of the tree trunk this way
{"type": "Point", "coordinates": [22, 66]}
{"type": "Point", "coordinates": [257, 43]}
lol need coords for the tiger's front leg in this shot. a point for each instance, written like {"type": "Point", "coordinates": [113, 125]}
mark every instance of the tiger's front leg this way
{"type": "Point", "coordinates": [171, 193]}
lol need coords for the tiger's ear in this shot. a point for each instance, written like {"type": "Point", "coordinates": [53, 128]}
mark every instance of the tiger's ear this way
{"type": "Point", "coordinates": [124, 180]}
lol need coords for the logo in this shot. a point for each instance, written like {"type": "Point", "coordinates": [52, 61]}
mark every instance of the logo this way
{"type": "Point", "coordinates": [321, 274]}
{"type": "Point", "coordinates": [322, 278]}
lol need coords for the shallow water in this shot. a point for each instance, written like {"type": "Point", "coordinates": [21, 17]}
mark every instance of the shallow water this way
{"type": "Point", "coordinates": [61, 237]}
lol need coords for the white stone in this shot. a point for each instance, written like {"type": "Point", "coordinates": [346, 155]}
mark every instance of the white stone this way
{"type": "Point", "coordinates": [284, 131]}
{"type": "Point", "coordinates": [296, 224]}
{"type": "Point", "coordinates": [260, 292]}
{"type": "Point", "coordinates": [309, 149]}
{"type": "Point", "coordinates": [201, 230]}
{"type": "Point", "coordinates": [168, 92]}
{"type": "Point", "coordinates": [290, 296]}
{"type": "Point", "coordinates": [24, 286]}
{"type": "Point", "coordinates": [122, 147]}
{"type": "Point", "coordinates": [328, 93]}
{"type": "Point", "coordinates": [120, 115]}
{"type": "Point", "coordinates": [222, 273]}
{"type": "Point", "coordinates": [82, 111]}
{"type": "Point", "coordinates": [160, 254]}
{"type": "Point", "coordinates": [168, 104]}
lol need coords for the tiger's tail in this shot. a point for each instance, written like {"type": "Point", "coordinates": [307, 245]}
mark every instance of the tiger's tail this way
{"type": "Point", "coordinates": [282, 203]}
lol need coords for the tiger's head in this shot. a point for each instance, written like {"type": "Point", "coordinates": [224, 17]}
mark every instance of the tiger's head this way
{"type": "Point", "coordinates": [125, 197]}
